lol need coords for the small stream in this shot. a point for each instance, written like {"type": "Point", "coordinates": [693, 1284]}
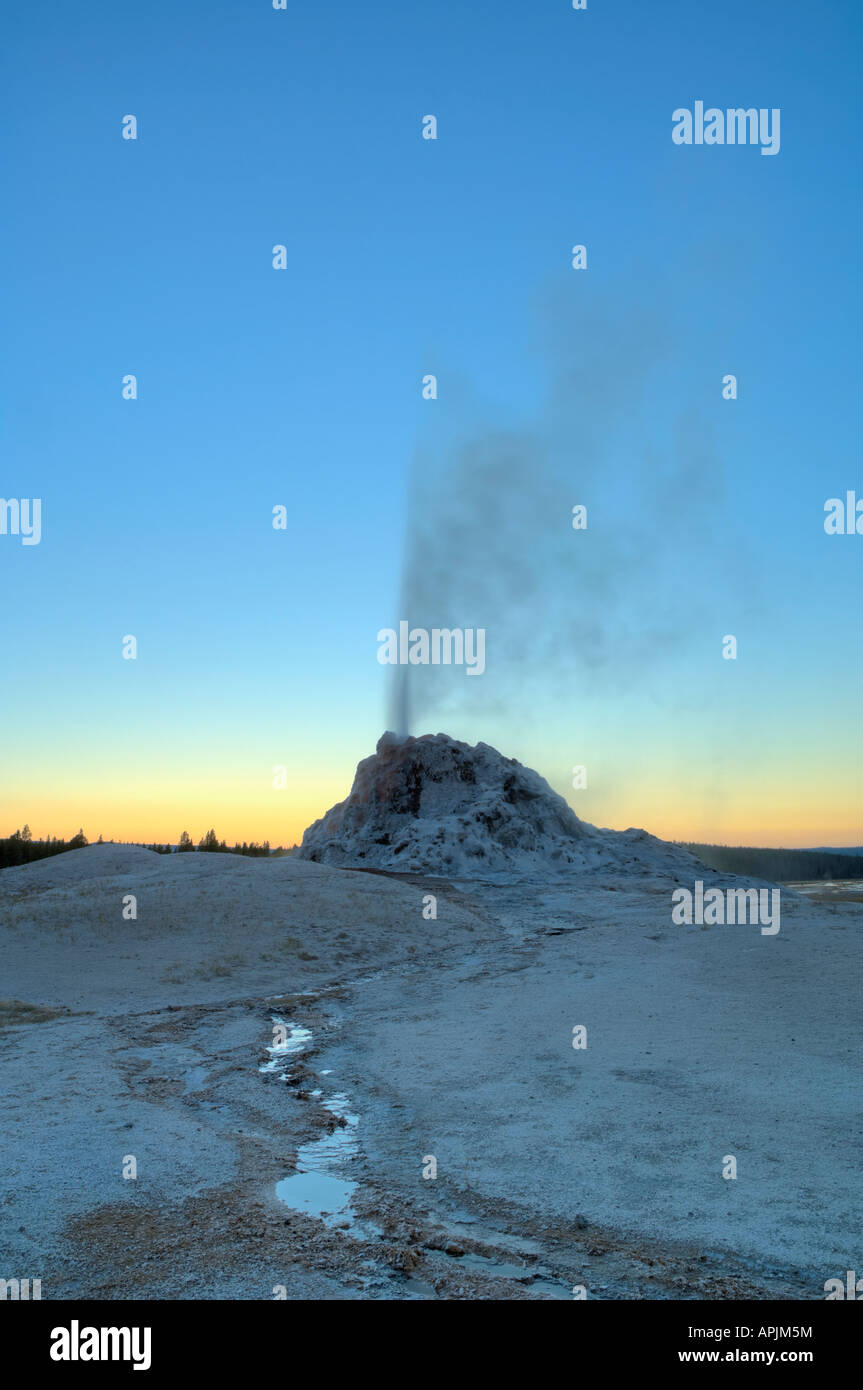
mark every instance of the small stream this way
{"type": "Point", "coordinates": [321, 1185]}
{"type": "Point", "coordinates": [296, 1042]}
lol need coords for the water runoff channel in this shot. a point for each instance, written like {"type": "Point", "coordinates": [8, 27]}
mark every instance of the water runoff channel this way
{"type": "Point", "coordinates": [320, 1187]}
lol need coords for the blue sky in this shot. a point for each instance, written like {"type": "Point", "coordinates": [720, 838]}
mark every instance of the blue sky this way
{"type": "Point", "coordinates": [301, 387]}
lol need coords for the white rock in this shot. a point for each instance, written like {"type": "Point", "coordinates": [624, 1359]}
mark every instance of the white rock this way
{"type": "Point", "coordinates": [434, 805]}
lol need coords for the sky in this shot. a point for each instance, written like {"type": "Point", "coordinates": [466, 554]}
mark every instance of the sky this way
{"type": "Point", "coordinates": [302, 387]}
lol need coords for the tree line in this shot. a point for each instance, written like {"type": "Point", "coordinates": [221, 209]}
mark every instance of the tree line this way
{"type": "Point", "coordinates": [780, 865]}
{"type": "Point", "coordinates": [21, 848]}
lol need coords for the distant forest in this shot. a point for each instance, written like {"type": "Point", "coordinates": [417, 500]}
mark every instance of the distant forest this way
{"type": "Point", "coordinates": [780, 865]}
{"type": "Point", "coordinates": [21, 848]}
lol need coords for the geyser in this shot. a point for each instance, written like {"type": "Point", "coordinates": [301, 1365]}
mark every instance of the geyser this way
{"type": "Point", "coordinates": [434, 805]}
{"type": "Point", "coordinates": [401, 703]}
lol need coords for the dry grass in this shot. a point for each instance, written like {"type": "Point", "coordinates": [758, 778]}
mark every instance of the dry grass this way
{"type": "Point", "coordinates": [15, 1011]}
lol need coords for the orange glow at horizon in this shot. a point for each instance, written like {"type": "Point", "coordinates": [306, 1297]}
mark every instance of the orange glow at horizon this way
{"type": "Point", "coordinates": [283, 817]}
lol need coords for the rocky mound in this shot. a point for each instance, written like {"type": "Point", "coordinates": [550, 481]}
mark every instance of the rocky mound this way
{"type": "Point", "coordinates": [436, 806]}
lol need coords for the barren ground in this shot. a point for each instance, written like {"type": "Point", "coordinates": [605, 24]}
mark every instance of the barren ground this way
{"type": "Point", "coordinates": [450, 1038]}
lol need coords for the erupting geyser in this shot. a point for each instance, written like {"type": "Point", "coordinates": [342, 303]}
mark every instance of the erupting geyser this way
{"type": "Point", "coordinates": [434, 805]}
{"type": "Point", "coordinates": [401, 703]}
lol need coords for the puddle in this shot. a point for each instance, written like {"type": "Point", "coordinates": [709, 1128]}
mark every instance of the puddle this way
{"type": "Point", "coordinates": [534, 1276]}
{"type": "Point", "coordinates": [295, 1043]}
{"type": "Point", "coordinates": [470, 1227]}
{"type": "Point", "coordinates": [521, 1274]}
{"type": "Point", "coordinates": [317, 1194]}
{"type": "Point", "coordinates": [484, 1264]}
{"type": "Point", "coordinates": [551, 1290]}
{"type": "Point", "coordinates": [320, 1186]}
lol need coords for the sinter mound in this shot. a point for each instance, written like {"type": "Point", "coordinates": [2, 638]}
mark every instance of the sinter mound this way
{"type": "Point", "coordinates": [436, 806]}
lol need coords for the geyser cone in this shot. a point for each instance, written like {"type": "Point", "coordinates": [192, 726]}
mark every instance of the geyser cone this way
{"type": "Point", "coordinates": [435, 805]}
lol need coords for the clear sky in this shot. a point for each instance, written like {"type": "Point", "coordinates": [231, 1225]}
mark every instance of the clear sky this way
{"type": "Point", "coordinates": [256, 387]}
